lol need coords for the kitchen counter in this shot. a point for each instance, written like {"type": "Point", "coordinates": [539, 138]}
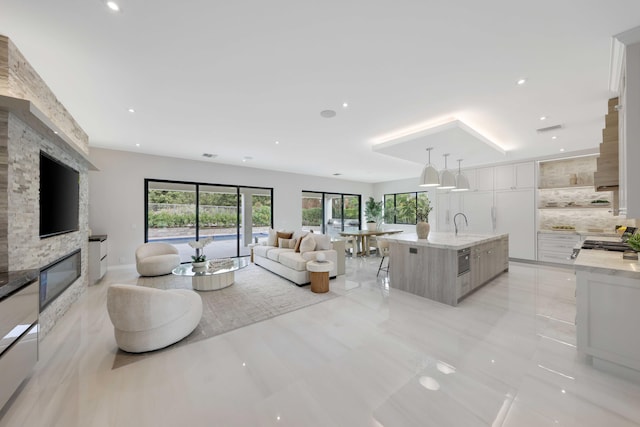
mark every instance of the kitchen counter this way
{"type": "Point", "coordinates": [13, 281]}
{"type": "Point", "coordinates": [580, 233]}
{"type": "Point", "coordinates": [445, 267]}
{"type": "Point", "coordinates": [444, 240]}
{"type": "Point", "coordinates": [607, 262]}
{"type": "Point", "coordinates": [607, 316]}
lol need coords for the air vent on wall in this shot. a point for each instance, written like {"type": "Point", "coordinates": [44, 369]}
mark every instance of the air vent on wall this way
{"type": "Point", "coordinates": [209, 155]}
{"type": "Point", "coordinates": [337, 174]}
{"type": "Point", "coordinates": [549, 129]}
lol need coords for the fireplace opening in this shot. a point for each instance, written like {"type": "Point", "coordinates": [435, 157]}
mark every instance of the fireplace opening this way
{"type": "Point", "coordinates": [58, 276]}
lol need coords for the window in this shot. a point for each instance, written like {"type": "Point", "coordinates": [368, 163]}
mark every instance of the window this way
{"type": "Point", "coordinates": [179, 212]}
{"type": "Point", "coordinates": [330, 213]}
{"type": "Point", "coordinates": [400, 208]}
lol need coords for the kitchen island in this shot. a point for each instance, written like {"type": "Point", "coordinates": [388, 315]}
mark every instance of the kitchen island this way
{"type": "Point", "coordinates": [607, 316]}
{"type": "Point", "coordinates": [445, 267]}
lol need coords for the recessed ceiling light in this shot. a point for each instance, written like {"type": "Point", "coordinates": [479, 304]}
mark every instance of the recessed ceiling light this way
{"type": "Point", "coordinates": [521, 82]}
{"type": "Point", "coordinates": [554, 137]}
{"type": "Point", "coordinates": [113, 6]}
{"type": "Point", "coordinates": [137, 145]}
{"type": "Point", "coordinates": [55, 131]}
{"type": "Point", "coordinates": [345, 105]}
{"type": "Point", "coordinates": [327, 114]}
{"type": "Point", "coordinates": [131, 110]}
{"type": "Point", "coordinates": [277, 142]}
{"type": "Point", "coordinates": [562, 150]}
{"type": "Point", "coordinates": [543, 117]}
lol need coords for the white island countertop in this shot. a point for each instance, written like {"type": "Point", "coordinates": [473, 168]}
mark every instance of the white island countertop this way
{"type": "Point", "coordinates": [443, 240]}
{"type": "Point", "coordinates": [607, 262]}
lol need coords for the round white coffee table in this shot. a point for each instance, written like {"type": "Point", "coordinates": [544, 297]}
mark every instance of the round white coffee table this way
{"type": "Point", "coordinates": [319, 274]}
{"type": "Point", "coordinates": [213, 276]}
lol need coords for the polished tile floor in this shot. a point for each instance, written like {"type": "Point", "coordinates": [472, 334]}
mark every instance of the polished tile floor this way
{"type": "Point", "coordinates": [374, 356]}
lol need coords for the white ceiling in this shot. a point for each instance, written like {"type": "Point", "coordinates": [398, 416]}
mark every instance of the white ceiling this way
{"type": "Point", "coordinates": [231, 78]}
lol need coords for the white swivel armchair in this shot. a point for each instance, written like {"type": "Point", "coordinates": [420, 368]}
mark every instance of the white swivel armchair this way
{"type": "Point", "coordinates": [156, 259]}
{"type": "Point", "coordinates": [146, 319]}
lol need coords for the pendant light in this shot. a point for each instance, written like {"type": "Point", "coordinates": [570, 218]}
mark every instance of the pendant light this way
{"type": "Point", "coordinates": [462, 182]}
{"type": "Point", "coordinates": [430, 176]}
{"type": "Point", "coordinates": [447, 178]}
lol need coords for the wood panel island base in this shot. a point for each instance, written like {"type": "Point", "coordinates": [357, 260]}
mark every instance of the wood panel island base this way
{"type": "Point", "coordinates": [445, 267]}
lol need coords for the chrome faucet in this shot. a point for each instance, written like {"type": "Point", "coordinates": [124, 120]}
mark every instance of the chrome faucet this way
{"type": "Point", "coordinates": [454, 221]}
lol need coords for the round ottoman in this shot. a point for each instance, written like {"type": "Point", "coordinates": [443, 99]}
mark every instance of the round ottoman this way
{"type": "Point", "coordinates": [319, 274]}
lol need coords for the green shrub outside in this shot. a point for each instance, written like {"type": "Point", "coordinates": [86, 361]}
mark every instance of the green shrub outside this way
{"type": "Point", "coordinates": [312, 216]}
{"type": "Point", "coordinates": [164, 219]}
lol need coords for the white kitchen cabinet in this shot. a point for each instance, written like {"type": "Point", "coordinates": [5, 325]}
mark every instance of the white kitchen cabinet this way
{"type": "Point", "coordinates": [629, 133]}
{"type": "Point", "coordinates": [447, 205]}
{"type": "Point", "coordinates": [442, 212]}
{"type": "Point", "coordinates": [515, 176]}
{"type": "Point", "coordinates": [607, 315]}
{"type": "Point", "coordinates": [483, 180]}
{"type": "Point", "coordinates": [478, 207]}
{"type": "Point", "coordinates": [557, 247]}
{"type": "Point", "coordinates": [515, 215]}
{"type": "Point", "coordinates": [97, 258]}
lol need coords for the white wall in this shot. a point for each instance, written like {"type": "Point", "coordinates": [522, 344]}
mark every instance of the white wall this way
{"type": "Point", "coordinates": [116, 193]}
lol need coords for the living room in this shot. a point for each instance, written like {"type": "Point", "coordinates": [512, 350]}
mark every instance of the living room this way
{"type": "Point", "coordinates": [365, 352]}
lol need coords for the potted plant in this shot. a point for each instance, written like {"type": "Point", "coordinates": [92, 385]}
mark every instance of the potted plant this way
{"type": "Point", "coordinates": [422, 217]}
{"type": "Point", "coordinates": [634, 243]}
{"type": "Point", "coordinates": [199, 260]}
{"type": "Point", "coordinates": [373, 213]}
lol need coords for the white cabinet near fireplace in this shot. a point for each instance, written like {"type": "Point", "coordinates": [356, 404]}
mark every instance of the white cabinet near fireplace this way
{"type": "Point", "coordinates": [97, 257]}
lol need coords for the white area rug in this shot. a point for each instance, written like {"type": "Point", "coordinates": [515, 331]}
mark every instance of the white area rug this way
{"type": "Point", "coordinates": [256, 295]}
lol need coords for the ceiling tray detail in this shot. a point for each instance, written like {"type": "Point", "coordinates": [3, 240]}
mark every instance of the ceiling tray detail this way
{"type": "Point", "coordinates": [453, 136]}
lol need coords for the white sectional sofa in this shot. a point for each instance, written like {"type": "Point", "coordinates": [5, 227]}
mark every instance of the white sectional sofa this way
{"type": "Point", "coordinates": [280, 257]}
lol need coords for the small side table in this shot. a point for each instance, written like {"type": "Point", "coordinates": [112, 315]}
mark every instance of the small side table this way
{"type": "Point", "coordinates": [319, 273]}
{"type": "Point", "coordinates": [251, 246]}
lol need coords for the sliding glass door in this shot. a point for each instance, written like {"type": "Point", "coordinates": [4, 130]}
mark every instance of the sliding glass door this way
{"type": "Point", "coordinates": [180, 212]}
{"type": "Point", "coordinates": [330, 213]}
{"type": "Point", "coordinates": [218, 209]}
{"type": "Point", "coordinates": [171, 215]}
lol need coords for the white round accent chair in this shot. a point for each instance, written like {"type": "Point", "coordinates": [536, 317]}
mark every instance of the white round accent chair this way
{"type": "Point", "coordinates": [156, 259]}
{"type": "Point", "coordinates": [146, 319]}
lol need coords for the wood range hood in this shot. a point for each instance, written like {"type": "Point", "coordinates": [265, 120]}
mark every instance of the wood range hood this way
{"type": "Point", "coordinates": [606, 177]}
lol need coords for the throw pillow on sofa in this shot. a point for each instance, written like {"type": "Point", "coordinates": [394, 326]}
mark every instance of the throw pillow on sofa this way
{"type": "Point", "coordinates": [299, 235]}
{"type": "Point", "coordinates": [308, 243]}
{"type": "Point", "coordinates": [286, 243]}
{"type": "Point", "coordinates": [272, 240]}
{"type": "Point", "coordinates": [323, 242]}
{"type": "Point", "coordinates": [274, 235]}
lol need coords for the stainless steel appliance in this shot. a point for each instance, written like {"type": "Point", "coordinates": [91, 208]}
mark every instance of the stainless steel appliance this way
{"type": "Point", "coordinates": [464, 261]}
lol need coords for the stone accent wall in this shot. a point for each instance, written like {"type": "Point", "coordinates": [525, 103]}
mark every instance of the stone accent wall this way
{"type": "Point", "coordinates": [19, 79]}
{"type": "Point", "coordinates": [25, 248]}
{"type": "Point", "coordinates": [574, 204]}
{"type": "Point", "coordinates": [558, 173]}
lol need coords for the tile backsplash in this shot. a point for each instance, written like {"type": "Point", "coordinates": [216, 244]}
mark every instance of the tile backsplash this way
{"type": "Point", "coordinates": [569, 206]}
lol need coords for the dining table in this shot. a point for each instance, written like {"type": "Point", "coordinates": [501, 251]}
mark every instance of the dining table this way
{"type": "Point", "coordinates": [362, 238]}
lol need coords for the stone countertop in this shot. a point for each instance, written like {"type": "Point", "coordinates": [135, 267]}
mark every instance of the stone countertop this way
{"type": "Point", "coordinates": [13, 281]}
{"type": "Point", "coordinates": [607, 262]}
{"type": "Point", "coordinates": [443, 240]}
{"type": "Point", "coordinates": [578, 232]}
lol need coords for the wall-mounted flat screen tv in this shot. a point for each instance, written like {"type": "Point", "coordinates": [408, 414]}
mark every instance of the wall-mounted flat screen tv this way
{"type": "Point", "coordinates": [59, 197]}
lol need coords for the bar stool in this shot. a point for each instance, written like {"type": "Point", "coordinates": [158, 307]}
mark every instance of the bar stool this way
{"type": "Point", "coordinates": [383, 249]}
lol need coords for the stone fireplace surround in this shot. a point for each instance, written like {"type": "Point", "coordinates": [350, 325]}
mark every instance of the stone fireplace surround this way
{"type": "Point", "coordinates": [20, 145]}
{"type": "Point", "coordinates": [33, 120]}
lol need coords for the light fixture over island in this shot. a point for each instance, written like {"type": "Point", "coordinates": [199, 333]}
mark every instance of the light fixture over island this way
{"type": "Point", "coordinates": [446, 267]}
